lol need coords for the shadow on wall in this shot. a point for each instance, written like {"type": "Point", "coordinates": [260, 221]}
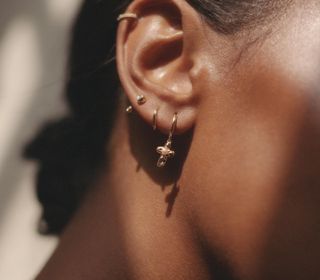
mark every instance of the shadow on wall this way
{"type": "Point", "coordinates": [71, 150]}
{"type": "Point", "coordinates": [33, 50]}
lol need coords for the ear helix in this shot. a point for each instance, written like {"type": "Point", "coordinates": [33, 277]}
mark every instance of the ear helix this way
{"type": "Point", "coordinates": [140, 98]}
{"type": "Point", "coordinates": [165, 151]}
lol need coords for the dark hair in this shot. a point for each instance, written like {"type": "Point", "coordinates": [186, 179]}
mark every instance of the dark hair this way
{"type": "Point", "coordinates": [231, 16]}
{"type": "Point", "coordinates": [71, 151]}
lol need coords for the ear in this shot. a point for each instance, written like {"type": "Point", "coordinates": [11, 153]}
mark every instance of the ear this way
{"type": "Point", "coordinates": [154, 61]}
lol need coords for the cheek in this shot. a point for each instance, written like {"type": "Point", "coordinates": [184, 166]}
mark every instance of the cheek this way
{"type": "Point", "coordinates": [298, 65]}
{"type": "Point", "coordinates": [293, 51]}
{"type": "Point", "coordinates": [280, 78]}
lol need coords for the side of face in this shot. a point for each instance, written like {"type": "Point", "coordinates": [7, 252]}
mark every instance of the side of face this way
{"type": "Point", "coordinates": [251, 174]}
{"type": "Point", "coordinates": [257, 140]}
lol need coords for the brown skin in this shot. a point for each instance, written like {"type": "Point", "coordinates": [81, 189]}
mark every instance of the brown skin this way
{"type": "Point", "coordinates": [242, 196]}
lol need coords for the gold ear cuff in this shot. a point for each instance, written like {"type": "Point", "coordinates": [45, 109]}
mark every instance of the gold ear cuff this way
{"type": "Point", "coordinates": [165, 151]}
{"type": "Point", "coordinates": [140, 98]}
{"type": "Point", "coordinates": [127, 16]}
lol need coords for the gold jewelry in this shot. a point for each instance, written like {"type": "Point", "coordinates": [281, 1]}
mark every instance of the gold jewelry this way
{"type": "Point", "coordinates": [154, 119]}
{"type": "Point", "coordinates": [127, 16]}
{"type": "Point", "coordinates": [141, 99]}
{"type": "Point", "coordinates": [165, 151]}
{"type": "Point", "coordinates": [129, 109]}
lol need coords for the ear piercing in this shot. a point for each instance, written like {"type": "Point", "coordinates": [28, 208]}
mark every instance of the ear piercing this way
{"type": "Point", "coordinates": [127, 16]}
{"type": "Point", "coordinates": [165, 151]}
{"type": "Point", "coordinates": [141, 99]}
{"type": "Point", "coordinates": [129, 109]}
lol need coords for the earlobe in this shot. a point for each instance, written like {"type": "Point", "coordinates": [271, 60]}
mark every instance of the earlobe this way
{"type": "Point", "coordinates": [153, 66]}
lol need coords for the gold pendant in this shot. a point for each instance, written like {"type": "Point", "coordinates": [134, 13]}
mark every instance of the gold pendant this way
{"type": "Point", "coordinates": [166, 151]}
{"type": "Point", "coordinates": [165, 154]}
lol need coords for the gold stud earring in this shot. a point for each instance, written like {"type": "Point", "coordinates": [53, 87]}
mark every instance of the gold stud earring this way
{"type": "Point", "coordinates": [165, 151]}
{"type": "Point", "coordinates": [154, 119]}
{"type": "Point", "coordinates": [141, 99]}
{"type": "Point", "coordinates": [127, 16]}
{"type": "Point", "coordinates": [129, 109]}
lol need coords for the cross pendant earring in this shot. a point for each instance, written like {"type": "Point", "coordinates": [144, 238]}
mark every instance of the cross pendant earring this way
{"type": "Point", "coordinates": [166, 151]}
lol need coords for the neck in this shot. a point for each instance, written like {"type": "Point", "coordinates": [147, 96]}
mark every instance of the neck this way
{"type": "Point", "coordinates": [141, 206]}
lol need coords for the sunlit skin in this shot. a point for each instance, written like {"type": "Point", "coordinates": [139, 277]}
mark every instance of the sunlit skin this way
{"type": "Point", "coordinates": [241, 196]}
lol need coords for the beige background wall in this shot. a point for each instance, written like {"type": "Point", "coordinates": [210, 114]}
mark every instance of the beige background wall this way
{"type": "Point", "coordinates": [33, 49]}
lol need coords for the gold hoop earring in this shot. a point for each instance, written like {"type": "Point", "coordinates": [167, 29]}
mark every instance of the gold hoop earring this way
{"type": "Point", "coordinates": [154, 119]}
{"type": "Point", "coordinates": [127, 16]}
{"type": "Point", "coordinates": [165, 151]}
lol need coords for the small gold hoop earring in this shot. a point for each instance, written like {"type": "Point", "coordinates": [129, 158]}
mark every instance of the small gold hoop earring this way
{"type": "Point", "coordinates": [166, 151]}
{"type": "Point", "coordinates": [154, 119]}
{"type": "Point", "coordinates": [127, 16]}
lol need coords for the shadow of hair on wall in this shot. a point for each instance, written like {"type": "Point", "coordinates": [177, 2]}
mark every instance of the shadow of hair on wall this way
{"type": "Point", "coordinates": [34, 15]}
